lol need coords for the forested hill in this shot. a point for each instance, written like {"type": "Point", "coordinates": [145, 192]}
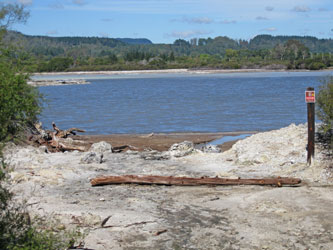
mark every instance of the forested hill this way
{"type": "Point", "coordinates": [314, 44]}
{"type": "Point", "coordinates": [44, 53]}
{"type": "Point", "coordinates": [135, 40]}
{"type": "Point", "coordinates": [218, 45]}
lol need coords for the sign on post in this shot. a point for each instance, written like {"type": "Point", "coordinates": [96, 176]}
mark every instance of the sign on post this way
{"type": "Point", "coordinates": [310, 97]}
{"type": "Point", "coordinates": [310, 100]}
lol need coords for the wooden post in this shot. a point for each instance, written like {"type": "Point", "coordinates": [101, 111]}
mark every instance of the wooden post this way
{"type": "Point", "coordinates": [310, 100]}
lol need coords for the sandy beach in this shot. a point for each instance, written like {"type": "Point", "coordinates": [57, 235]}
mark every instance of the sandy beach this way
{"type": "Point", "coordinates": [82, 77]}
{"type": "Point", "coordinates": [163, 71]}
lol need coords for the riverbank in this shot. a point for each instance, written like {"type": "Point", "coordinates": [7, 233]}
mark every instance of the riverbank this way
{"type": "Point", "coordinates": [46, 82]}
{"type": "Point", "coordinates": [161, 141]}
{"type": "Point", "coordinates": [167, 71]}
{"type": "Point", "coordinates": [83, 77]}
{"type": "Point", "coordinates": [169, 217]}
{"type": "Point", "coordinates": [174, 71]}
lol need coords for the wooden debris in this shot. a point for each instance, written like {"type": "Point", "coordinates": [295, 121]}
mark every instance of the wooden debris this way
{"type": "Point", "coordinates": [105, 220]}
{"type": "Point", "coordinates": [160, 232]}
{"type": "Point", "coordinates": [57, 140]}
{"type": "Point", "coordinates": [186, 181]}
{"type": "Point", "coordinates": [122, 148]}
{"type": "Point", "coordinates": [65, 133]}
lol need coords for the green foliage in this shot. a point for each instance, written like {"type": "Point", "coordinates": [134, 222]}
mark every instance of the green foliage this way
{"type": "Point", "coordinates": [324, 111]}
{"type": "Point", "coordinates": [19, 107]}
{"type": "Point", "coordinates": [325, 104]}
{"type": "Point", "coordinates": [57, 64]}
{"type": "Point", "coordinates": [314, 44]}
{"type": "Point", "coordinates": [316, 66]}
{"type": "Point", "coordinates": [9, 14]}
{"type": "Point", "coordinates": [19, 102]}
{"type": "Point", "coordinates": [48, 54]}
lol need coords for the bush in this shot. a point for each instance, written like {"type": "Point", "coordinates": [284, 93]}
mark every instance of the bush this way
{"type": "Point", "coordinates": [316, 66]}
{"type": "Point", "coordinates": [325, 110]}
{"type": "Point", "coordinates": [19, 102]}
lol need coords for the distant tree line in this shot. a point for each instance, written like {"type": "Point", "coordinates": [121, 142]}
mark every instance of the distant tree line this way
{"type": "Point", "coordinates": [47, 54]}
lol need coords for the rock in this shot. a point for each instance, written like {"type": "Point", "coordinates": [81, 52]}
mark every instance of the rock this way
{"type": "Point", "coordinates": [284, 144]}
{"type": "Point", "coordinates": [131, 152]}
{"type": "Point", "coordinates": [57, 82]}
{"type": "Point", "coordinates": [92, 157]}
{"type": "Point", "coordinates": [155, 155]}
{"type": "Point", "coordinates": [210, 149]}
{"type": "Point", "coordinates": [20, 157]}
{"type": "Point", "coordinates": [17, 177]}
{"type": "Point", "coordinates": [96, 153]}
{"type": "Point", "coordinates": [101, 147]}
{"type": "Point", "coordinates": [182, 149]}
{"type": "Point", "coordinates": [43, 149]}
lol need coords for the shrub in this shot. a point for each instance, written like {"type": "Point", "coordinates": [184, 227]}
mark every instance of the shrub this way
{"type": "Point", "coordinates": [325, 110]}
{"type": "Point", "coordinates": [317, 66]}
{"type": "Point", "coordinates": [19, 102]}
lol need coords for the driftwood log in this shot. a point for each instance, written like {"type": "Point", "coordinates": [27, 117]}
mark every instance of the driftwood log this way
{"type": "Point", "coordinates": [65, 133]}
{"type": "Point", "coordinates": [186, 181]}
{"type": "Point", "coordinates": [57, 140]}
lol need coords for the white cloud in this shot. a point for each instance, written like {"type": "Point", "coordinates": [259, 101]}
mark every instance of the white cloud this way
{"type": "Point", "coordinates": [260, 18]}
{"type": "Point", "coordinates": [270, 29]}
{"type": "Point", "coordinates": [79, 2]}
{"type": "Point", "coordinates": [188, 33]}
{"type": "Point", "coordinates": [56, 5]}
{"type": "Point", "coordinates": [107, 19]}
{"type": "Point", "coordinates": [201, 20]}
{"type": "Point", "coordinates": [228, 22]}
{"type": "Point", "coordinates": [51, 32]}
{"type": "Point", "coordinates": [104, 35]}
{"type": "Point", "coordinates": [194, 20]}
{"type": "Point", "coordinates": [269, 8]}
{"type": "Point", "coordinates": [25, 2]}
{"type": "Point", "coordinates": [301, 8]}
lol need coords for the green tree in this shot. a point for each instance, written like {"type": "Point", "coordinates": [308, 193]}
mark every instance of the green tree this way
{"type": "Point", "coordinates": [19, 106]}
{"type": "Point", "coordinates": [231, 53]}
{"type": "Point", "coordinates": [19, 102]}
{"type": "Point", "coordinates": [10, 14]}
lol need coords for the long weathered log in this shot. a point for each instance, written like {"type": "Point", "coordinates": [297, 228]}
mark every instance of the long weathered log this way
{"type": "Point", "coordinates": [186, 181]}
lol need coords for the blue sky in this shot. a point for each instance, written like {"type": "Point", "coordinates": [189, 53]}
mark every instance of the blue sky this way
{"type": "Point", "coordinates": [163, 21]}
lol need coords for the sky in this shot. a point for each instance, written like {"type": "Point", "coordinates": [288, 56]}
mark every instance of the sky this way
{"type": "Point", "coordinates": [164, 21]}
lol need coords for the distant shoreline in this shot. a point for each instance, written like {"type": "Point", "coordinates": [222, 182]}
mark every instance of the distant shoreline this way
{"type": "Point", "coordinates": [82, 77]}
{"type": "Point", "coordinates": [164, 71]}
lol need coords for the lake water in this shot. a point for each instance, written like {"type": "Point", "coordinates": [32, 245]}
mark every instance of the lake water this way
{"type": "Point", "coordinates": [145, 103]}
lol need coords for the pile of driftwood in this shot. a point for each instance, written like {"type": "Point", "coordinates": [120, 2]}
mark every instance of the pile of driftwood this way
{"type": "Point", "coordinates": [57, 140]}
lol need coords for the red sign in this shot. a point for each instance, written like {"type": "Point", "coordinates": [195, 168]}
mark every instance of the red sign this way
{"type": "Point", "coordinates": [310, 97]}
